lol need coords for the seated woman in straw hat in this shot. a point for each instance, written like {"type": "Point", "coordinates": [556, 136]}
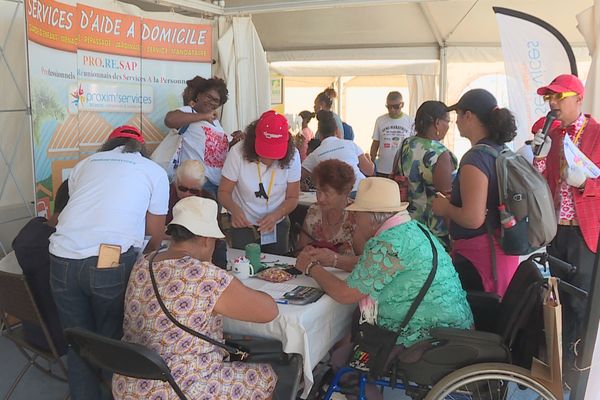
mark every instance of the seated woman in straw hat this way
{"type": "Point", "coordinates": [197, 294]}
{"type": "Point", "coordinates": [396, 260]}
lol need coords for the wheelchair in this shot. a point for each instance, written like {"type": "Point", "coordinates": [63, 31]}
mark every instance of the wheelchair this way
{"type": "Point", "coordinates": [489, 363]}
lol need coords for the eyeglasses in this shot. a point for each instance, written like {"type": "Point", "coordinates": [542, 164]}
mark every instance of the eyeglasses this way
{"type": "Point", "coordinates": [558, 96]}
{"type": "Point", "coordinates": [394, 106]}
{"type": "Point", "coordinates": [195, 192]}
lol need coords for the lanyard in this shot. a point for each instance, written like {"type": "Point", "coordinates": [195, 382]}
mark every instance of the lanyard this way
{"type": "Point", "coordinates": [578, 134]}
{"type": "Point", "coordinates": [270, 181]}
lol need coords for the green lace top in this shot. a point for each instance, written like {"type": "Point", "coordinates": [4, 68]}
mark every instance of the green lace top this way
{"type": "Point", "coordinates": [392, 269]}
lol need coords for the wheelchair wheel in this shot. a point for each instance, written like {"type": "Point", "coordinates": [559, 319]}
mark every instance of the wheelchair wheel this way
{"type": "Point", "coordinates": [489, 381]}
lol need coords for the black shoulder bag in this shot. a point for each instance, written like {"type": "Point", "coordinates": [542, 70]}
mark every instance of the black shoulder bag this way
{"type": "Point", "coordinates": [373, 344]}
{"type": "Point", "coordinates": [253, 349]}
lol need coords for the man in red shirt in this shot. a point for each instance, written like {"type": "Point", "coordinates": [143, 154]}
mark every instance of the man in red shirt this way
{"type": "Point", "coordinates": [577, 196]}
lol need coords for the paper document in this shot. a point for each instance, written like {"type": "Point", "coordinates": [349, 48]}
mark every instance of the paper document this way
{"type": "Point", "coordinates": [277, 290]}
{"type": "Point", "coordinates": [575, 158]}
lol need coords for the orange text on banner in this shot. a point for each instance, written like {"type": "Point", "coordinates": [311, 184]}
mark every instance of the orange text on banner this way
{"type": "Point", "coordinates": [108, 32]}
{"type": "Point", "coordinates": [52, 24]}
{"type": "Point", "coordinates": [176, 41]}
{"type": "Point", "coordinates": [69, 28]}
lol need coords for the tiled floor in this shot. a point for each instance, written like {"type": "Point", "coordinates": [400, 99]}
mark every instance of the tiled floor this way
{"type": "Point", "coordinates": [35, 385]}
{"type": "Point", "coordinates": [38, 386]}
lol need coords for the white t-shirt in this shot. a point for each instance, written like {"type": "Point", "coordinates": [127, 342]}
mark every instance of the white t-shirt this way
{"type": "Point", "coordinates": [206, 142]}
{"type": "Point", "coordinates": [340, 149]}
{"type": "Point", "coordinates": [390, 132]}
{"type": "Point", "coordinates": [245, 173]}
{"type": "Point", "coordinates": [109, 194]}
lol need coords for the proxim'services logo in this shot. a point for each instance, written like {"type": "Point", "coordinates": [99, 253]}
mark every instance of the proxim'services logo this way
{"type": "Point", "coordinates": [77, 96]}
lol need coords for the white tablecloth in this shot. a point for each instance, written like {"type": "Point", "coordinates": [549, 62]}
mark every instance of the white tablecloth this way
{"type": "Point", "coordinates": [307, 198]}
{"type": "Point", "coordinates": [309, 330]}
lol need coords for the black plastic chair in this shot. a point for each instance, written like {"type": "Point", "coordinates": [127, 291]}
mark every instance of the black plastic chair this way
{"type": "Point", "coordinates": [128, 359]}
{"type": "Point", "coordinates": [17, 300]}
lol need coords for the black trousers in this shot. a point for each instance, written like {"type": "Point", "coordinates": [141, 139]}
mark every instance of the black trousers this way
{"type": "Point", "coordinates": [240, 237]}
{"type": "Point", "coordinates": [569, 246]}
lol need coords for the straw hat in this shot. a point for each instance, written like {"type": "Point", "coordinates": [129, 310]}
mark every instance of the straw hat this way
{"type": "Point", "coordinates": [378, 195]}
{"type": "Point", "coordinates": [198, 215]}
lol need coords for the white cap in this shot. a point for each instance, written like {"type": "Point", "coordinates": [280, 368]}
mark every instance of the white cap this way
{"type": "Point", "coordinates": [198, 215]}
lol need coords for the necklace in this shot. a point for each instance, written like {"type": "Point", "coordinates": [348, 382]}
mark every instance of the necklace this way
{"type": "Point", "coordinates": [339, 220]}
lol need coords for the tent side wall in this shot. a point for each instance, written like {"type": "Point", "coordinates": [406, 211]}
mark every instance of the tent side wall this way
{"type": "Point", "coordinates": [16, 156]}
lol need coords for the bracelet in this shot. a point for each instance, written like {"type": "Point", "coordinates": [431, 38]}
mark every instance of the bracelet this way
{"type": "Point", "coordinates": [335, 260]}
{"type": "Point", "coordinates": [309, 267]}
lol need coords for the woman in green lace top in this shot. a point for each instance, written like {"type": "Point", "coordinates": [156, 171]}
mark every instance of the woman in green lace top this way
{"type": "Point", "coordinates": [396, 260]}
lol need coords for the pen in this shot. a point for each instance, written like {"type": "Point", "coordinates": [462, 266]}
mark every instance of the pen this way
{"type": "Point", "coordinates": [281, 301]}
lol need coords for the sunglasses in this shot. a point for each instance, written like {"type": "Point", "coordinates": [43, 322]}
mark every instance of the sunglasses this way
{"type": "Point", "coordinates": [394, 106]}
{"type": "Point", "coordinates": [558, 96]}
{"type": "Point", "coordinates": [195, 192]}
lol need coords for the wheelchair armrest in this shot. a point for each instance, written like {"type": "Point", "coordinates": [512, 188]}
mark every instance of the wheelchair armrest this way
{"type": "Point", "coordinates": [466, 335]}
{"type": "Point", "coordinates": [485, 308]}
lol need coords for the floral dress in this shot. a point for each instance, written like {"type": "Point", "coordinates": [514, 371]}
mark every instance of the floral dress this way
{"type": "Point", "coordinates": [419, 156]}
{"type": "Point", "coordinates": [392, 269]}
{"type": "Point", "coordinates": [189, 289]}
{"type": "Point", "coordinates": [342, 238]}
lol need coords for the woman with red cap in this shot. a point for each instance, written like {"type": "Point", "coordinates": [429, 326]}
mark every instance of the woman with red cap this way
{"type": "Point", "coordinates": [117, 196]}
{"type": "Point", "coordinates": [260, 184]}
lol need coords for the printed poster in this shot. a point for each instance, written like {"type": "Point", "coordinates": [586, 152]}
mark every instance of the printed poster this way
{"type": "Point", "coordinates": [92, 69]}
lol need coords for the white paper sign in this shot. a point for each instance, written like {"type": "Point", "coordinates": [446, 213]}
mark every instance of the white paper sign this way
{"type": "Point", "coordinates": [575, 158]}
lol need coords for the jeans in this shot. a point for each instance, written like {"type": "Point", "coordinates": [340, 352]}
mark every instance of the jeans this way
{"type": "Point", "coordinates": [89, 298]}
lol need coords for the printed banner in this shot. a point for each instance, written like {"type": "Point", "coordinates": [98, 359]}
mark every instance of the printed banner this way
{"type": "Point", "coordinates": [534, 54]}
{"type": "Point", "coordinates": [92, 69]}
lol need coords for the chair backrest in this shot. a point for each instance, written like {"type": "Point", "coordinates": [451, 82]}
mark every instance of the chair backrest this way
{"type": "Point", "coordinates": [128, 359]}
{"type": "Point", "coordinates": [520, 317]}
{"type": "Point", "coordinates": [16, 298]}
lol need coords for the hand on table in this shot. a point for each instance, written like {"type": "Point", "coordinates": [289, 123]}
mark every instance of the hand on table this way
{"type": "Point", "coordinates": [323, 256]}
{"type": "Point", "coordinates": [302, 260]}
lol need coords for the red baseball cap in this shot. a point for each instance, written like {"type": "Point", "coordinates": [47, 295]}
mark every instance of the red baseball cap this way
{"type": "Point", "coordinates": [272, 136]}
{"type": "Point", "coordinates": [127, 131]}
{"type": "Point", "coordinates": [539, 124]}
{"type": "Point", "coordinates": [563, 83]}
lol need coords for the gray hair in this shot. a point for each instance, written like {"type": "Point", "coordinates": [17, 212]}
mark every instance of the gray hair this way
{"type": "Point", "coordinates": [192, 169]}
{"type": "Point", "coordinates": [378, 218]}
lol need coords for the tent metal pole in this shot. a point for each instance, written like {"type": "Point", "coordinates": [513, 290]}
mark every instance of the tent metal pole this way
{"type": "Point", "coordinates": [340, 88]}
{"type": "Point", "coordinates": [443, 72]}
{"type": "Point", "coordinates": [590, 334]}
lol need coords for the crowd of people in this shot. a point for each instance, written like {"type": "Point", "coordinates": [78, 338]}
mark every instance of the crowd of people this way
{"type": "Point", "coordinates": [360, 224]}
